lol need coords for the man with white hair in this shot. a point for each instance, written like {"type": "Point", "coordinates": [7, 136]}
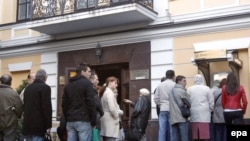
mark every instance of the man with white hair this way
{"type": "Point", "coordinates": [140, 115]}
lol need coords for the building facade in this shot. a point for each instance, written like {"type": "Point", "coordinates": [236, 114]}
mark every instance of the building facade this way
{"type": "Point", "coordinates": [136, 41]}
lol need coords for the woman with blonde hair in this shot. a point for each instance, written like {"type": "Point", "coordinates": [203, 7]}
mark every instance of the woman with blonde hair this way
{"type": "Point", "coordinates": [110, 119]}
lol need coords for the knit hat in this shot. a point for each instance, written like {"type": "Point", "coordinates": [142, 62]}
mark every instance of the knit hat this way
{"type": "Point", "coordinates": [144, 91]}
{"type": "Point", "coordinates": [198, 79]}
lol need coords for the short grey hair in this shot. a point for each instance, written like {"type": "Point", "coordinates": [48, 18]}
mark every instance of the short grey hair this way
{"type": "Point", "coordinates": [41, 75]}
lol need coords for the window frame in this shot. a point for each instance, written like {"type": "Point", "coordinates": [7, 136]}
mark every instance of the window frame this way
{"type": "Point", "coordinates": [28, 8]}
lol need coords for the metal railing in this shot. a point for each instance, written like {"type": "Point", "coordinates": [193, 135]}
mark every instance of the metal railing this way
{"type": "Point", "coordinates": [50, 8]}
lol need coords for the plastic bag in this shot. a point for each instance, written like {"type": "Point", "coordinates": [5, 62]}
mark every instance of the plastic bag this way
{"type": "Point", "coordinates": [95, 135]}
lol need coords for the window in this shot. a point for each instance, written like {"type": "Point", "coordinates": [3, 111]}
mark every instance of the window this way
{"type": "Point", "coordinates": [217, 77]}
{"type": "Point", "coordinates": [24, 9]}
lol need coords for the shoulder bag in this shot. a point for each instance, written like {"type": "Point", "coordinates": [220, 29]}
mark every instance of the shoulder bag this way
{"type": "Point", "coordinates": [217, 98]}
{"type": "Point", "coordinates": [185, 108]}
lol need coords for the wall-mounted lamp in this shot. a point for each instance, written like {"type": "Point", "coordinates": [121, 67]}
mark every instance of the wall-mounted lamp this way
{"type": "Point", "coordinates": [98, 52]}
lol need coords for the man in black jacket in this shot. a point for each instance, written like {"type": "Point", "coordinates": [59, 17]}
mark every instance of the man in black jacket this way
{"type": "Point", "coordinates": [95, 80]}
{"type": "Point", "coordinates": [37, 108]}
{"type": "Point", "coordinates": [79, 106]}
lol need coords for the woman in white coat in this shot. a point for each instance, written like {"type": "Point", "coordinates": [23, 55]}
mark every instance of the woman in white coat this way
{"type": "Point", "coordinates": [202, 104]}
{"type": "Point", "coordinates": [110, 119]}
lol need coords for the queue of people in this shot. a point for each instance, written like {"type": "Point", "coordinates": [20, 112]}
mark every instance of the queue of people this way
{"type": "Point", "coordinates": [100, 108]}
{"type": "Point", "coordinates": [87, 106]}
{"type": "Point", "coordinates": [33, 107]}
{"type": "Point", "coordinates": [211, 109]}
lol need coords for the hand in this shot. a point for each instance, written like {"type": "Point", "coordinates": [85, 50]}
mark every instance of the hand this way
{"type": "Point", "coordinates": [120, 112]}
{"type": "Point", "coordinates": [48, 131]}
{"type": "Point", "coordinates": [127, 101]}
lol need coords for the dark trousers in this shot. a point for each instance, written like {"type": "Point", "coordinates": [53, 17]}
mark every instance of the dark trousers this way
{"type": "Point", "coordinates": [211, 131]}
{"type": "Point", "coordinates": [220, 132]}
{"type": "Point", "coordinates": [234, 117]}
{"type": "Point", "coordinates": [1, 135]}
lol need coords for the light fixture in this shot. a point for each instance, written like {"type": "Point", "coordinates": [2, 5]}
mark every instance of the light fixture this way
{"type": "Point", "coordinates": [98, 52]}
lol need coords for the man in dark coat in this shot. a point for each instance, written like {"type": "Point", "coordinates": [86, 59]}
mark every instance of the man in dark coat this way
{"type": "Point", "coordinates": [79, 106]}
{"type": "Point", "coordinates": [37, 108]}
{"type": "Point", "coordinates": [11, 108]}
{"type": "Point", "coordinates": [95, 80]}
{"type": "Point", "coordinates": [140, 115]}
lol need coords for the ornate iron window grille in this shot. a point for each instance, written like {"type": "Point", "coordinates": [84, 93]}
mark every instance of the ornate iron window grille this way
{"type": "Point", "coordinates": [50, 8]}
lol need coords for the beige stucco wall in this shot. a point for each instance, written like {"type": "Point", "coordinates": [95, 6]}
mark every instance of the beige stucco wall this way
{"type": "Point", "coordinates": [18, 76]}
{"type": "Point", "coordinates": [8, 14]}
{"type": "Point", "coordinates": [217, 3]}
{"type": "Point", "coordinates": [8, 11]}
{"type": "Point", "coordinates": [5, 35]}
{"type": "Point", "coordinates": [244, 2]}
{"type": "Point", "coordinates": [9, 34]}
{"type": "Point", "coordinates": [184, 51]}
{"type": "Point", "coordinates": [179, 7]}
{"type": "Point", "coordinates": [21, 32]}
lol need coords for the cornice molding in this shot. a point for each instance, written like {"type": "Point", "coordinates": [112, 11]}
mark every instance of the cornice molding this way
{"type": "Point", "coordinates": [49, 43]}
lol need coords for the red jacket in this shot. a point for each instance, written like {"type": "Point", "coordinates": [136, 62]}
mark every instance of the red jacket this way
{"type": "Point", "coordinates": [237, 101]}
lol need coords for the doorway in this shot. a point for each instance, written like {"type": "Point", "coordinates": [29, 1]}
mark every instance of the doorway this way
{"type": "Point", "coordinates": [120, 61]}
{"type": "Point", "coordinates": [120, 71]}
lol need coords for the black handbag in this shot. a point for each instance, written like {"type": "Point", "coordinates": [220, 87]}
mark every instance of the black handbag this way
{"type": "Point", "coordinates": [133, 135]}
{"type": "Point", "coordinates": [185, 108]}
{"type": "Point", "coordinates": [185, 111]}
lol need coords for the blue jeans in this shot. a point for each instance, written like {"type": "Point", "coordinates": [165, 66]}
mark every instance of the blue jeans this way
{"type": "Point", "coordinates": [180, 131]}
{"type": "Point", "coordinates": [164, 126]}
{"type": "Point", "coordinates": [220, 132]}
{"type": "Point", "coordinates": [79, 131]}
{"type": "Point", "coordinates": [34, 138]}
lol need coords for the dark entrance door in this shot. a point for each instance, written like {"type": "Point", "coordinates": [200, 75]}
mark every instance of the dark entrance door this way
{"type": "Point", "coordinates": [117, 60]}
{"type": "Point", "coordinates": [120, 71]}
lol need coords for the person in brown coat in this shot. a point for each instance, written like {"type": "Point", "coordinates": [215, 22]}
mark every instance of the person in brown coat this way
{"type": "Point", "coordinates": [11, 108]}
